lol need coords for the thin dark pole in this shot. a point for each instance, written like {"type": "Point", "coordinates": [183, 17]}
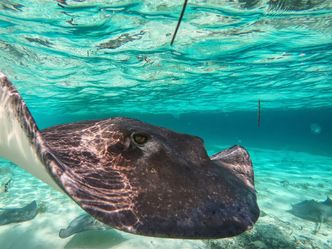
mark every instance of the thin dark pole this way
{"type": "Point", "coordinates": [259, 113]}
{"type": "Point", "coordinates": [179, 21]}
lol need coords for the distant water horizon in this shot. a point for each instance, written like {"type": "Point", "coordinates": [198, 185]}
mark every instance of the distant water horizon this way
{"type": "Point", "coordinates": [307, 130]}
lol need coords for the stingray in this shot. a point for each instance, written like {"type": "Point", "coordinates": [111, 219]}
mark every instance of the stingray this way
{"type": "Point", "coordinates": [133, 176]}
{"type": "Point", "coordinates": [315, 211]}
{"type": "Point", "coordinates": [11, 215]}
{"type": "Point", "coordinates": [84, 222]}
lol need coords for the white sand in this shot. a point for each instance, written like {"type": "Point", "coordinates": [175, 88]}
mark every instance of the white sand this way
{"type": "Point", "coordinates": [282, 178]}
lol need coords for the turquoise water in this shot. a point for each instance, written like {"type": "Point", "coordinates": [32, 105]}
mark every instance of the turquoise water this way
{"type": "Point", "coordinates": [97, 59]}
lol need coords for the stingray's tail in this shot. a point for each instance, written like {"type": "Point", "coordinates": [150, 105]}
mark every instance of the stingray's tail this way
{"type": "Point", "coordinates": [237, 160]}
{"type": "Point", "coordinates": [20, 140]}
{"type": "Point", "coordinates": [16, 123]}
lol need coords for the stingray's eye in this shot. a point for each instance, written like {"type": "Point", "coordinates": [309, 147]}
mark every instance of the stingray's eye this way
{"type": "Point", "coordinates": [139, 138]}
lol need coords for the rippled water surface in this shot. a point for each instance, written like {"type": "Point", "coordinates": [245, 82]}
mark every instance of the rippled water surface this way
{"type": "Point", "coordinates": [76, 60]}
{"type": "Point", "coordinates": [116, 55]}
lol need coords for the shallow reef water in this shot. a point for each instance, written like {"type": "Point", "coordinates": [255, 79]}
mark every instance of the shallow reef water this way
{"type": "Point", "coordinates": [251, 72]}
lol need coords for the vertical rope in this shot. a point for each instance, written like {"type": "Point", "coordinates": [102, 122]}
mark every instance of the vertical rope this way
{"type": "Point", "coordinates": [179, 21]}
{"type": "Point", "coordinates": [259, 113]}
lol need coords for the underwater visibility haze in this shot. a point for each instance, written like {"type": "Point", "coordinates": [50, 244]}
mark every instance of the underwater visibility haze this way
{"type": "Point", "coordinates": [253, 73]}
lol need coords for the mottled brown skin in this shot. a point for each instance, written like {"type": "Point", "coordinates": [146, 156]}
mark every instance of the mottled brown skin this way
{"type": "Point", "coordinates": [161, 184]}
{"type": "Point", "coordinates": [167, 187]}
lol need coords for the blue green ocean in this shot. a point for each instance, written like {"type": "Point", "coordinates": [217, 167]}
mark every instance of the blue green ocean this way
{"type": "Point", "coordinates": [255, 73]}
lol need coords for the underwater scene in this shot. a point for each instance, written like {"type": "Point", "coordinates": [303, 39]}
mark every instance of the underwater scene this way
{"type": "Point", "coordinates": [85, 87]}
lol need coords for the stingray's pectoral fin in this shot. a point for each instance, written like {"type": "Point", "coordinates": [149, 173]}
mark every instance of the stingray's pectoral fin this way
{"type": "Point", "coordinates": [20, 140]}
{"type": "Point", "coordinates": [237, 160]}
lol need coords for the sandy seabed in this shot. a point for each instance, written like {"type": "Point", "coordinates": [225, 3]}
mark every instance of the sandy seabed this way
{"type": "Point", "coordinates": [282, 178]}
